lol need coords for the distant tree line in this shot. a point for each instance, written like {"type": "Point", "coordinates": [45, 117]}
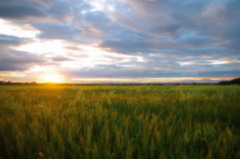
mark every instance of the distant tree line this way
{"type": "Point", "coordinates": [29, 83]}
{"type": "Point", "coordinates": [235, 81]}
{"type": "Point", "coordinates": [17, 83]}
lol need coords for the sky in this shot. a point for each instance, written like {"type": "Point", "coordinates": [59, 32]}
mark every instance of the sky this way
{"type": "Point", "coordinates": [81, 41]}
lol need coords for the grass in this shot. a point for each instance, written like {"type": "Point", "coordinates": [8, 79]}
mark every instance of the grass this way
{"type": "Point", "coordinates": [119, 122]}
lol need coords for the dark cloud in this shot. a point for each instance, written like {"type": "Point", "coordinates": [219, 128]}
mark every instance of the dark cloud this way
{"type": "Point", "coordinates": [98, 20]}
{"type": "Point", "coordinates": [60, 58]}
{"type": "Point", "coordinates": [136, 42]}
{"type": "Point", "coordinates": [46, 11]}
{"type": "Point", "coordinates": [57, 31]}
{"type": "Point", "coordinates": [11, 60]}
{"type": "Point", "coordinates": [67, 11]}
{"type": "Point", "coordinates": [156, 67]}
{"type": "Point", "coordinates": [20, 10]}
{"type": "Point", "coordinates": [12, 40]}
{"type": "Point", "coordinates": [118, 72]}
{"type": "Point", "coordinates": [130, 46]}
{"type": "Point", "coordinates": [186, 24]}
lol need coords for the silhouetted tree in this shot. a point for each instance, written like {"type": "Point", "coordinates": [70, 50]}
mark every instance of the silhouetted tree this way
{"type": "Point", "coordinates": [234, 81]}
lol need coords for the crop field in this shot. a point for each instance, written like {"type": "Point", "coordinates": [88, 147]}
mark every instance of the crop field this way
{"type": "Point", "coordinates": [119, 122]}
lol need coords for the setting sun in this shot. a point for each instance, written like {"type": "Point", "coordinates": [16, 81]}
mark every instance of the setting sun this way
{"type": "Point", "coordinates": [53, 78]}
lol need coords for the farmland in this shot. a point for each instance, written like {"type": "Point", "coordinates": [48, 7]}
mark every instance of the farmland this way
{"type": "Point", "coordinates": [119, 122]}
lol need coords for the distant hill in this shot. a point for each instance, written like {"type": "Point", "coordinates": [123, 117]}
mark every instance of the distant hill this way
{"type": "Point", "coordinates": [235, 81]}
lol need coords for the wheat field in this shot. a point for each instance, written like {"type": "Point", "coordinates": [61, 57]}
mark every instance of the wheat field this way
{"type": "Point", "coordinates": [119, 122]}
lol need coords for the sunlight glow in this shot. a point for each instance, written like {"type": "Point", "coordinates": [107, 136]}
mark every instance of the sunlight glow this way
{"type": "Point", "coordinates": [11, 74]}
{"type": "Point", "coordinates": [42, 69]}
{"type": "Point", "coordinates": [186, 63]}
{"type": "Point", "coordinates": [44, 47]}
{"type": "Point", "coordinates": [25, 31]}
{"type": "Point", "coordinates": [52, 78]}
{"type": "Point", "coordinates": [218, 62]}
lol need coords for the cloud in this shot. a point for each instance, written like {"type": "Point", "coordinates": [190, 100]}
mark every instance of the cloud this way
{"type": "Point", "coordinates": [104, 72]}
{"type": "Point", "coordinates": [60, 58]}
{"type": "Point", "coordinates": [20, 10]}
{"type": "Point", "coordinates": [12, 40]}
{"type": "Point", "coordinates": [123, 38]}
{"type": "Point", "coordinates": [156, 67]}
{"type": "Point", "coordinates": [11, 60]}
{"type": "Point", "coordinates": [46, 11]}
{"type": "Point", "coordinates": [57, 31]}
{"type": "Point", "coordinates": [186, 24]}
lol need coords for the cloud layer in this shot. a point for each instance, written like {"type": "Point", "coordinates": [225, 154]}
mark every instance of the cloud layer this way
{"type": "Point", "coordinates": [121, 39]}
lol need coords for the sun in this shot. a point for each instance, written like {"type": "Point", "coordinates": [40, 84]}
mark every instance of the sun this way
{"type": "Point", "coordinates": [52, 78]}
